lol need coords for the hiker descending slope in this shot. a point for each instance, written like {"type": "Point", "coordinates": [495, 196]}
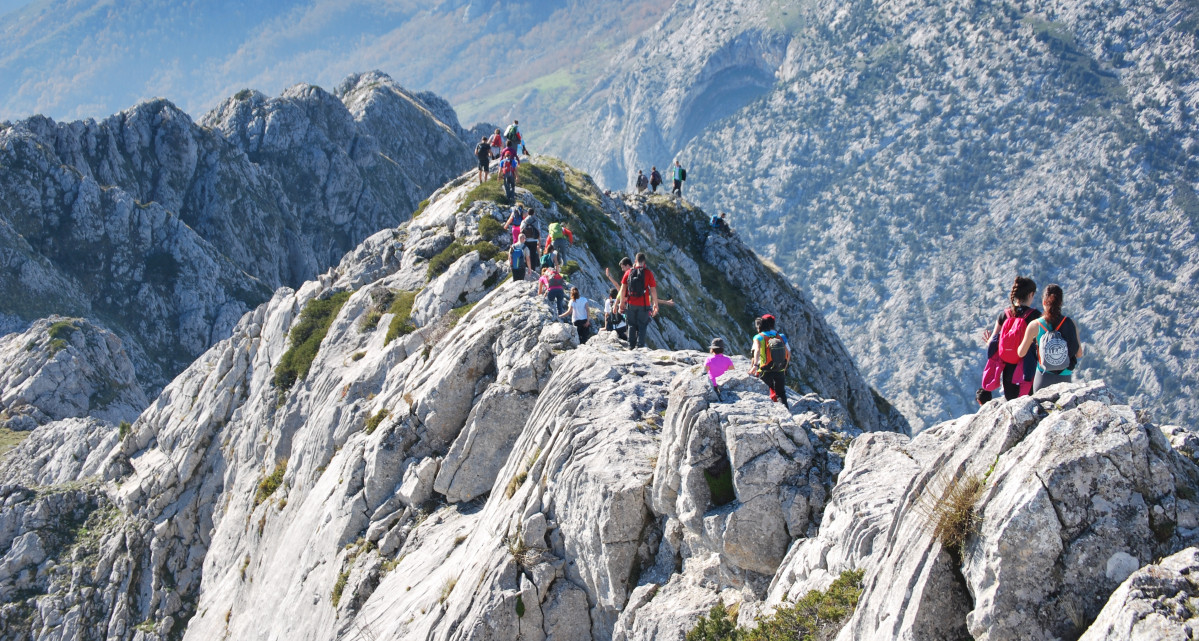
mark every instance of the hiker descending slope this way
{"type": "Point", "coordinates": [679, 175]}
{"type": "Point", "coordinates": [655, 179]}
{"type": "Point", "coordinates": [769, 357]}
{"type": "Point", "coordinates": [557, 238]}
{"type": "Point", "coordinates": [639, 300]}
{"type": "Point", "coordinates": [1008, 334]}
{"type": "Point", "coordinates": [577, 308]}
{"type": "Point", "coordinates": [1056, 337]}
{"type": "Point", "coordinates": [483, 154]}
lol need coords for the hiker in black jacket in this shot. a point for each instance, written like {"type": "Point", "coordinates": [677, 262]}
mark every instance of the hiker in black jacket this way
{"type": "Point", "coordinates": [483, 153]}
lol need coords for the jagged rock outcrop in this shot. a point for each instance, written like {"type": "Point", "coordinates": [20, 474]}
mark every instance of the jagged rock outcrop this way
{"type": "Point", "coordinates": [65, 368]}
{"type": "Point", "coordinates": [167, 231]}
{"type": "Point", "coordinates": [1153, 603]}
{"type": "Point", "coordinates": [479, 471]}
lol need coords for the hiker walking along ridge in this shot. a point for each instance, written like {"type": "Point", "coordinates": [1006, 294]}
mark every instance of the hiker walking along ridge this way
{"type": "Point", "coordinates": [497, 143]}
{"type": "Point", "coordinates": [642, 182]}
{"type": "Point", "coordinates": [518, 259]}
{"type": "Point", "coordinates": [639, 300]}
{"type": "Point", "coordinates": [577, 308]}
{"type": "Point", "coordinates": [1056, 338]}
{"type": "Point", "coordinates": [769, 357]}
{"type": "Point", "coordinates": [483, 153]}
{"type": "Point", "coordinates": [509, 164]}
{"type": "Point", "coordinates": [531, 230]}
{"type": "Point", "coordinates": [679, 174]}
{"type": "Point", "coordinates": [655, 179]}
{"type": "Point", "coordinates": [514, 220]}
{"type": "Point", "coordinates": [553, 286]}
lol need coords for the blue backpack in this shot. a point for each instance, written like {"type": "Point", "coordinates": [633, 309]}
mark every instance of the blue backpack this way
{"type": "Point", "coordinates": [518, 257]}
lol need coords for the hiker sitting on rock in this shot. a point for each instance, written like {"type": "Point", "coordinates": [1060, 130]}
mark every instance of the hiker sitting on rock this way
{"type": "Point", "coordinates": [717, 363]}
{"type": "Point", "coordinates": [578, 314]}
{"type": "Point", "coordinates": [553, 286]}
{"type": "Point", "coordinates": [770, 356]}
{"type": "Point", "coordinates": [558, 235]}
{"type": "Point", "coordinates": [721, 225]}
{"type": "Point", "coordinates": [613, 319]}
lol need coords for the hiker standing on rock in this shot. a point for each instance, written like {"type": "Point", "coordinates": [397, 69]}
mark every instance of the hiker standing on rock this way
{"type": "Point", "coordinates": [679, 175]}
{"type": "Point", "coordinates": [1056, 337]}
{"type": "Point", "coordinates": [497, 143]}
{"type": "Point", "coordinates": [639, 300]}
{"type": "Point", "coordinates": [483, 153]}
{"type": "Point", "coordinates": [553, 286]}
{"type": "Point", "coordinates": [578, 314]}
{"type": "Point", "coordinates": [1009, 332]}
{"type": "Point", "coordinates": [531, 230]}
{"type": "Point", "coordinates": [518, 259]}
{"type": "Point", "coordinates": [655, 179]}
{"type": "Point", "coordinates": [769, 358]}
{"type": "Point", "coordinates": [642, 182]}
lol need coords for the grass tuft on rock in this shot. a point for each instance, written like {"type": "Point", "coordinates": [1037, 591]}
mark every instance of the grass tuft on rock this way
{"type": "Point", "coordinates": [950, 513]}
{"type": "Point", "coordinates": [401, 320]}
{"type": "Point", "coordinates": [373, 422]}
{"type": "Point", "coordinates": [489, 227]}
{"type": "Point", "coordinates": [268, 485]}
{"type": "Point", "coordinates": [448, 256]}
{"type": "Point", "coordinates": [819, 614]}
{"type": "Point", "coordinates": [306, 339]}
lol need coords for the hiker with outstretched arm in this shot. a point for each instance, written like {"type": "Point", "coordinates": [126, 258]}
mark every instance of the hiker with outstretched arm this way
{"type": "Point", "coordinates": [483, 154]}
{"type": "Point", "coordinates": [679, 175]}
{"type": "Point", "coordinates": [639, 300]}
{"type": "Point", "coordinates": [769, 358]}
{"type": "Point", "coordinates": [625, 265]}
{"type": "Point", "coordinates": [1056, 338]}
{"type": "Point", "coordinates": [577, 308]}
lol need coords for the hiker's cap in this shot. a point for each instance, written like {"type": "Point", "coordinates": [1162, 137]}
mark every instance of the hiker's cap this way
{"type": "Point", "coordinates": [767, 316]}
{"type": "Point", "coordinates": [717, 343]}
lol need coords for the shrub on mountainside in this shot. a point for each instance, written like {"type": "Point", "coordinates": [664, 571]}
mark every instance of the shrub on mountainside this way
{"type": "Point", "coordinates": [305, 339]}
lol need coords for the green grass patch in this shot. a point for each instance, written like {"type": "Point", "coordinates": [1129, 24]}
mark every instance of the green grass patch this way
{"type": "Point", "coordinates": [373, 422]}
{"type": "Point", "coordinates": [490, 227]}
{"type": "Point", "coordinates": [60, 333]}
{"type": "Point", "coordinates": [10, 439]}
{"type": "Point", "coordinates": [123, 429]}
{"type": "Point", "coordinates": [420, 208]}
{"type": "Point", "coordinates": [819, 614]}
{"type": "Point", "coordinates": [570, 267]}
{"type": "Point", "coordinates": [448, 256]}
{"type": "Point", "coordinates": [339, 587]}
{"type": "Point", "coordinates": [306, 339]}
{"type": "Point", "coordinates": [268, 485]}
{"type": "Point", "coordinates": [492, 191]}
{"type": "Point", "coordinates": [457, 313]}
{"type": "Point", "coordinates": [401, 321]}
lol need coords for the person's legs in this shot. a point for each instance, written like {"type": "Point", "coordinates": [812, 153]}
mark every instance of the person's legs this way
{"type": "Point", "coordinates": [560, 248]}
{"type": "Point", "coordinates": [584, 331]}
{"type": "Point", "coordinates": [534, 255]}
{"type": "Point", "coordinates": [518, 274]}
{"type": "Point", "coordinates": [1010, 390]}
{"type": "Point", "coordinates": [638, 320]}
{"type": "Point", "coordinates": [1045, 379]}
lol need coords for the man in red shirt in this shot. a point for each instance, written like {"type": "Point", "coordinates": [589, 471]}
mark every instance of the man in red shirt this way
{"type": "Point", "coordinates": [638, 300]}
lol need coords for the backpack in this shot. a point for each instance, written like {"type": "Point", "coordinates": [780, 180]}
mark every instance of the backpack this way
{"type": "Point", "coordinates": [774, 352]}
{"type": "Point", "coordinates": [1011, 335]}
{"type": "Point", "coordinates": [655, 178]}
{"type": "Point", "coordinates": [518, 258]}
{"type": "Point", "coordinates": [508, 166]}
{"type": "Point", "coordinates": [637, 281]}
{"type": "Point", "coordinates": [529, 228]}
{"type": "Point", "coordinates": [511, 134]}
{"type": "Point", "coordinates": [1053, 350]}
{"type": "Point", "coordinates": [547, 261]}
{"type": "Point", "coordinates": [556, 232]}
{"type": "Point", "coordinates": [642, 181]}
{"type": "Point", "coordinates": [555, 280]}
{"type": "Point", "coordinates": [482, 150]}
{"type": "Point", "coordinates": [683, 174]}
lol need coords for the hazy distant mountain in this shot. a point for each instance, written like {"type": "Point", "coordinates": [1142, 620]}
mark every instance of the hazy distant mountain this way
{"type": "Point", "coordinates": [88, 58]}
{"type": "Point", "coordinates": [903, 161]}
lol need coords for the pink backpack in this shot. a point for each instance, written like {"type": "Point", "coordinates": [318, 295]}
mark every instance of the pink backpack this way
{"type": "Point", "coordinates": [1011, 335]}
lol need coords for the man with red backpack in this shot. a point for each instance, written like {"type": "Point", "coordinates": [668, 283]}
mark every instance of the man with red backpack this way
{"type": "Point", "coordinates": [508, 166]}
{"type": "Point", "coordinates": [771, 354]}
{"type": "Point", "coordinates": [638, 300]}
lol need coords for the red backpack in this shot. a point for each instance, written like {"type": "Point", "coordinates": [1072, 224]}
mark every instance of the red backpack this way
{"type": "Point", "coordinates": [1011, 335]}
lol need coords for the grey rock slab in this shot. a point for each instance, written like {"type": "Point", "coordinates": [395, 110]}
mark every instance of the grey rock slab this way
{"type": "Point", "coordinates": [1154, 603]}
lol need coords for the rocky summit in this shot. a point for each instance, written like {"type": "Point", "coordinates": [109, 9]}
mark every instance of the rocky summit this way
{"type": "Point", "coordinates": [412, 447]}
{"type": "Point", "coordinates": [166, 231]}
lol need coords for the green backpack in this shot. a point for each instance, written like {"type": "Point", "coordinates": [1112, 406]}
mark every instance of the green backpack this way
{"type": "Point", "coordinates": [556, 232]}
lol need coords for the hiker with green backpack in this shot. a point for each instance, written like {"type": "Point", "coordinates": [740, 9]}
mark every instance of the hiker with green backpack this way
{"type": "Point", "coordinates": [769, 358]}
{"type": "Point", "coordinates": [559, 234]}
{"type": "Point", "coordinates": [679, 175]}
{"type": "Point", "coordinates": [1056, 337]}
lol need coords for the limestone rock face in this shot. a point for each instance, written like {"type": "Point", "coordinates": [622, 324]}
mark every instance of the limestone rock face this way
{"type": "Point", "coordinates": [166, 231]}
{"type": "Point", "coordinates": [1153, 603]}
{"type": "Point", "coordinates": [66, 368]}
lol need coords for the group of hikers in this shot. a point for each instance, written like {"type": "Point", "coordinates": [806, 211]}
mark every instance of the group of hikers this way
{"type": "Point", "coordinates": [1028, 349]}
{"type": "Point", "coordinates": [507, 147]}
{"type": "Point", "coordinates": [654, 180]}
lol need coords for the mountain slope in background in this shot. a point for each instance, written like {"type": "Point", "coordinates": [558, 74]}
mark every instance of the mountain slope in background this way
{"type": "Point", "coordinates": [905, 160]}
{"type": "Point", "coordinates": [167, 231]}
{"type": "Point", "coordinates": [82, 58]}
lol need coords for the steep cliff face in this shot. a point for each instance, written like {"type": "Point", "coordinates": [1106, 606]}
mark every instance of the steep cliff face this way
{"type": "Point", "coordinates": [904, 161]}
{"type": "Point", "coordinates": [167, 231]}
{"type": "Point", "coordinates": [449, 437]}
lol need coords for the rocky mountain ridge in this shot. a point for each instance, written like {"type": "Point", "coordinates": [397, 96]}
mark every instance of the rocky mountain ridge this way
{"type": "Point", "coordinates": [167, 231]}
{"type": "Point", "coordinates": [904, 161]}
{"type": "Point", "coordinates": [453, 465]}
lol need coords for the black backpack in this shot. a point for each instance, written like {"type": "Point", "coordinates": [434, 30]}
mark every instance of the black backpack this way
{"type": "Point", "coordinates": [683, 174]}
{"type": "Point", "coordinates": [482, 150]}
{"type": "Point", "coordinates": [637, 281]}
{"type": "Point", "coordinates": [529, 228]}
